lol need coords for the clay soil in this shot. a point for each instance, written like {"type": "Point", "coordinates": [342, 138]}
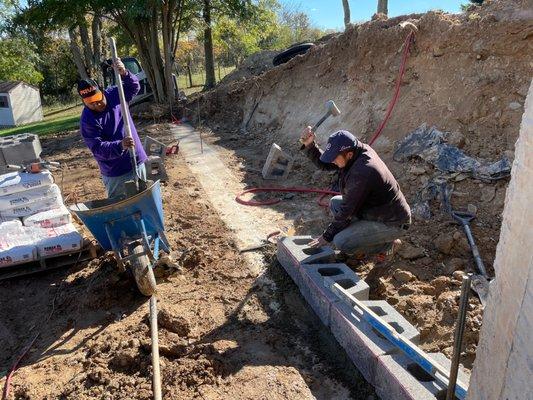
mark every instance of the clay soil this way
{"type": "Point", "coordinates": [467, 74]}
{"type": "Point", "coordinates": [225, 333]}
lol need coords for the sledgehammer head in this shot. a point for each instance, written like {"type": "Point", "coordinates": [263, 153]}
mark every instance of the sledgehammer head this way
{"type": "Point", "coordinates": [332, 108]}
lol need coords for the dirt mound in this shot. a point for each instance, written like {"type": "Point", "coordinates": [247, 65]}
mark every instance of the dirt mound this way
{"type": "Point", "coordinates": [467, 74]}
{"type": "Point", "coordinates": [256, 64]}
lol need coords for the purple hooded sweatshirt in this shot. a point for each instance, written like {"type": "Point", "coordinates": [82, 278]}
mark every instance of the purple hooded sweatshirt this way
{"type": "Point", "coordinates": [103, 131]}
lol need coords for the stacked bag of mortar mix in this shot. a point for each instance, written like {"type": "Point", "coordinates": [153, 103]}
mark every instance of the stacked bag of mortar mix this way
{"type": "Point", "coordinates": [34, 222]}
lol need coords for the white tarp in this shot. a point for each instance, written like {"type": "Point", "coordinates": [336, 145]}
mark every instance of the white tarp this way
{"type": "Point", "coordinates": [14, 182]}
{"type": "Point", "coordinates": [49, 219]}
{"type": "Point", "coordinates": [29, 196]}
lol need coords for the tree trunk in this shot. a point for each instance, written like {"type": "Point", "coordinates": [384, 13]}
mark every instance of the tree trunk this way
{"type": "Point", "coordinates": [189, 72]}
{"type": "Point", "coordinates": [96, 30]}
{"type": "Point", "coordinates": [166, 32]}
{"type": "Point", "coordinates": [76, 54]}
{"type": "Point", "coordinates": [382, 7]}
{"type": "Point", "coordinates": [208, 47]}
{"type": "Point", "coordinates": [85, 42]}
{"type": "Point", "coordinates": [346, 7]}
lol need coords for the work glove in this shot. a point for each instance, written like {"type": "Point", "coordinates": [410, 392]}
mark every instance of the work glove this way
{"type": "Point", "coordinates": [120, 66]}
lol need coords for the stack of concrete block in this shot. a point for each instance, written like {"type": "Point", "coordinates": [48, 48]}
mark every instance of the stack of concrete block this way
{"type": "Point", "coordinates": [155, 165]}
{"type": "Point", "coordinates": [382, 364]}
{"type": "Point", "coordinates": [20, 149]}
{"type": "Point", "coordinates": [278, 163]}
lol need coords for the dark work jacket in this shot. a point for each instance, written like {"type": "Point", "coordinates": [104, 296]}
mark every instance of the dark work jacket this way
{"type": "Point", "coordinates": [369, 190]}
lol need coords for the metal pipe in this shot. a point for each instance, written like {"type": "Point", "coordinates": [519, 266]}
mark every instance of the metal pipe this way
{"type": "Point", "coordinates": [458, 337]}
{"type": "Point", "coordinates": [156, 378]}
{"type": "Point", "coordinates": [124, 110]}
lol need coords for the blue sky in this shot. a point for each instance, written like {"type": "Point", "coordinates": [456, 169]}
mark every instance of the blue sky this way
{"type": "Point", "coordinates": [328, 14]}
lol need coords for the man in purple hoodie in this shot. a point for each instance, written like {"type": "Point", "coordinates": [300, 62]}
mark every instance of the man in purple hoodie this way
{"type": "Point", "coordinates": [102, 129]}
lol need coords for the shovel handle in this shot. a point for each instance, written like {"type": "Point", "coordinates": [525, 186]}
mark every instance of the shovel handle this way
{"type": "Point", "coordinates": [475, 251]}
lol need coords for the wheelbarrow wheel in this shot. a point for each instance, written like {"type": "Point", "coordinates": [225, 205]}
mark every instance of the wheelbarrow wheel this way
{"type": "Point", "coordinates": [142, 272]}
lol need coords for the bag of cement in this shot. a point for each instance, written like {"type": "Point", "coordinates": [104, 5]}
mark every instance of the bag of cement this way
{"type": "Point", "coordinates": [31, 209]}
{"type": "Point", "coordinates": [49, 219]}
{"type": "Point", "coordinates": [16, 246]}
{"type": "Point", "coordinates": [9, 224]}
{"type": "Point", "coordinates": [29, 196]}
{"type": "Point", "coordinates": [14, 182]}
{"type": "Point", "coordinates": [61, 239]}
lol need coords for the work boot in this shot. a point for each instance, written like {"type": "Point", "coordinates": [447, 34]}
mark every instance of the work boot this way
{"type": "Point", "coordinates": [389, 252]}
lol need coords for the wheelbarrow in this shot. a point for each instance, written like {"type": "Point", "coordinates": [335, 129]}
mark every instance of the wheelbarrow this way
{"type": "Point", "coordinates": [133, 228]}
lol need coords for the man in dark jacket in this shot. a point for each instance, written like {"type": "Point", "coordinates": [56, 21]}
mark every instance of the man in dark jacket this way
{"type": "Point", "coordinates": [102, 128]}
{"type": "Point", "coordinates": [371, 211]}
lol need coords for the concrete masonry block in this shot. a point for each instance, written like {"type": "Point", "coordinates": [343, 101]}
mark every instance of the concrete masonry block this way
{"type": "Point", "coordinates": [154, 147]}
{"type": "Point", "coordinates": [316, 287]}
{"type": "Point", "coordinates": [289, 263]}
{"type": "Point", "coordinates": [278, 163]}
{"type": "Point", "coordinates": [21, 149]}
{"type": "Point", "coordinates": [155, 169]}
{"type": "Point", "coordinates": [389, 314]}
{"type": "Point", "coordinates": [400, 378]}
{"type": "Point", "coordinates": [361, 343]}
{"type": "Point", "coordinates": [301, 253]}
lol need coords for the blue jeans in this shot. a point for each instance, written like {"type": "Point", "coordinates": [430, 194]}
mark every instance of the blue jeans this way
{"type": "Point", "coordinates": [363, 236]}
{"type": "Point", "coordinates": [114, 185]}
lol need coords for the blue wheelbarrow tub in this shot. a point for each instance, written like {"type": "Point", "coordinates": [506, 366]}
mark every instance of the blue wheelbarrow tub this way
{"type": "Point", "coordinates": [123, 216]}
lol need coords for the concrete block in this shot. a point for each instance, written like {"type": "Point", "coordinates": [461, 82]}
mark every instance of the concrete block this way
{"type": "Point", "coordinates": [389, 314]}
{"type": "Point", "coordinates": [399, 378]}
{"type": "Point", "coordinates": [361, 343]}
{"type": "Point", "coordinates": [278, 163]}
{"type": "Point", "coordinates": [316, 288]}
{"type": "Point", "coordinates": [351, 282]}
{"type": "Point", "coordinates": [154, 147]}
{"type": "Point", "coordinates": [299, 252]}
{"type": "Point", "coordinates": [21, 149]}
{"type": "Point", "coordinates": [289, 263]}
{"type": "Point", "coordinates": [155, 169]}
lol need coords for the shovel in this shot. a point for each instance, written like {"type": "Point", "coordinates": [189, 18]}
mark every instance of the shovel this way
{"type": "Point", "coordinates": [479, 282]}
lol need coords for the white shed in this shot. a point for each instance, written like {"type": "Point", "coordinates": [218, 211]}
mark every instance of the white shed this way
{"type": "Point", "coordinates": [20, 104]}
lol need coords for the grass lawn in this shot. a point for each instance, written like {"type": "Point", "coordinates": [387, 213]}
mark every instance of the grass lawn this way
{"type": "Point", "coordinates": [55, 121]}
{"type": "Point", "coordinates": [198, 80]}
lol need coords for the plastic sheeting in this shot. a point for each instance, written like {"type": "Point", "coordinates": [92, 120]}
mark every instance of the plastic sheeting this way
{"type": "Point", "coordinates": [428, 144]}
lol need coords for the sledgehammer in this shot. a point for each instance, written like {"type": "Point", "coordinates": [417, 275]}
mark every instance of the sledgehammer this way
{"type": "Point", "coordinates": [333, 110]}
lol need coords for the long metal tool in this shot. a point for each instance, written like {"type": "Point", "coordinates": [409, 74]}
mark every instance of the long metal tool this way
{"type": "Point", "coordinates": [458, 337]}
{"type": "Point", "coordinates": [124, 110]}
{"type": "Point", "coordinates": [156, 378]}
{"type": "Point", "coordinates": [480, 282]}
{"type": "Point", "coordinates": [416, 354]}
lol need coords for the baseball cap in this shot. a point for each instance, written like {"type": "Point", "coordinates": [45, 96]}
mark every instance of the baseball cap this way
{"type": "Point", "coordinates": [89, 91]}
{"type": "Point", "coordinates": [338, 142]}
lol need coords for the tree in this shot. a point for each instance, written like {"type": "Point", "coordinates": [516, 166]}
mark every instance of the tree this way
{"type": "Point", "coordinates": [346, 7]}
{"type": "Point", "coordinates": [18, 60]}
{"type": "Point", "coordinates": [74, 16]}
{"type": "Point", "coordinates": [212, 9]}
{"type": "Point", "coordinates": [383, 7]}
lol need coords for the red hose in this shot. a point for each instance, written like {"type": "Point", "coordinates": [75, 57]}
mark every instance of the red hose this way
{"type": "Point", "coordinates": [406, 48]}
{"type": "Point", "coordinates": [394, 100]}
{"type": "Point", "coordinates": [5, 393]}
{"type": "Point", "coordinates": [275, 201]}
